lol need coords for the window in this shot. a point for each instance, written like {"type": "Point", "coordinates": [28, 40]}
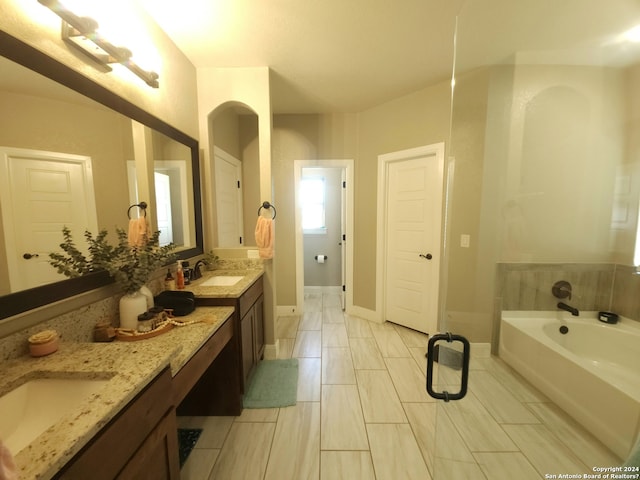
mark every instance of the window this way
{"type": "Point", "coordinates": [312, 195]}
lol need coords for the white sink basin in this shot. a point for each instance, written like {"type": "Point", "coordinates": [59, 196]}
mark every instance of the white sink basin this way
{"type": "Point", "coordinates": [221, 281]}
{"type": "Point", "coordinates": [34, 406]}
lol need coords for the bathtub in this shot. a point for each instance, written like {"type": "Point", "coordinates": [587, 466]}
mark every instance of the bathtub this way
{"type": "Point", "coordinates": [592, 372]}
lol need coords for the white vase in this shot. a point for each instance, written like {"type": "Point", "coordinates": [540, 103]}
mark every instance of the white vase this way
{"type": "Point", "coordinates": [144, 290]}
{"type": "Point", "coordinates": [132, 305]}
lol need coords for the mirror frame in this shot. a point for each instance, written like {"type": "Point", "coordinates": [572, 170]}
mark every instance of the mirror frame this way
{"type": "Point", "coordinates": [27, 56]}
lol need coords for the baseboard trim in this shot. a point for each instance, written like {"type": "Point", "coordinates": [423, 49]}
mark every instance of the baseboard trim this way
{"type": "Point", "coordinates": [271, 350]}
{"type": "Point", "coordinates": [287, 310]}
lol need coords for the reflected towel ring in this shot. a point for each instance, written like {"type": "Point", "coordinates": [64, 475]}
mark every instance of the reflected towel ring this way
{"type": "Point", "coordinates": [142, 206]}
{"type": "Point", "coordinates": [267, 205]}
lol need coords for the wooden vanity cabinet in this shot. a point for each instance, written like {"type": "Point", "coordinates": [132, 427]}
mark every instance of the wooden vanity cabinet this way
{"type": "Point", "coordinates": [209, 384]}
{"type": "Point", "coordinates": [252, 326]}
{"type": "Point", "coordinates": [140, 442]}
{"type": "Point", "coordinates": [249, 326]}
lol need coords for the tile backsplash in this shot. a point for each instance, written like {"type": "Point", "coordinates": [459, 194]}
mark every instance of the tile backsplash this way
{"type": "Point", "coordinates": [78, 325]}
{"type": "Point", "coordinates": [527, 286]}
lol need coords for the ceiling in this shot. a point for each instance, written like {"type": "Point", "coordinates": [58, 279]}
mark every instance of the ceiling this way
{"type": "Point", "coordinates": [350, 55]}
{"type": "Point", "coordinates": [325, 56]}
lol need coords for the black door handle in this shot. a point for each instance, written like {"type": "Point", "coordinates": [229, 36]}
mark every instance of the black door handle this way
{"type": "Point", "coordinates": [431, 355]}
{"type": "Point", "coordinates": [28, 256]}
{"type": "Point", "coordinates": [428, 256]}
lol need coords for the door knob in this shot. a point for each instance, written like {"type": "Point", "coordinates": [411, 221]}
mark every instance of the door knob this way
{"type": "Point", "coordinates": [27, 256]}
{"type": "Point", "coordinates": [428, 256]}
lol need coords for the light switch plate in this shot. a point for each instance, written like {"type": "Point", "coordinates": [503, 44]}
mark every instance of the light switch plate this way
{"type": "Point", "coordinates": [465, 240]}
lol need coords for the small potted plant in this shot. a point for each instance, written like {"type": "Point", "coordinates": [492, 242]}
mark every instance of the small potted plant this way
{"type": "Point", "coordinates": [211, 260]}
{"type": "Point", "coordinates": [129, 266]}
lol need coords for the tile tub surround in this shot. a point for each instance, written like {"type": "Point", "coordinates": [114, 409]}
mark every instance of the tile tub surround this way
{"type": "Point", "coordinates": [598, 286]}
{"type": "Point", "coordinates": [527, 286]}
{"type": "Point", "coordinates": [129, 366]}
{"type": "Point", "coordinates": [595, 287]}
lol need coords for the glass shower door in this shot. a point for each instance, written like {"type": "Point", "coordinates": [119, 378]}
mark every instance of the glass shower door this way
{"type": "Point", "coordinates": [543, 186]}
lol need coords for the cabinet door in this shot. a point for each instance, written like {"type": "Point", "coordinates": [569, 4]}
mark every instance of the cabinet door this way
{"type": "Point", "coordinates": [246, 326]}
{"type": "Point", "coordinates": [258, 329]}
{"type": "Point", "coordinates": [156, 458]}
{"type": "Point", "coordinates": [139, 427]}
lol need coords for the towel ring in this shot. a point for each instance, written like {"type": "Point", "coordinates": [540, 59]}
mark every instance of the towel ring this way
{"type": "Point", "coordinates": [142, 206]}
{"type": "Point", "coordinates": [267, 205]}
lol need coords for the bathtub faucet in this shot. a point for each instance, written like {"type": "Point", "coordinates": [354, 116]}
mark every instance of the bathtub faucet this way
{"type": "Point", "coordinates": [563, 306]}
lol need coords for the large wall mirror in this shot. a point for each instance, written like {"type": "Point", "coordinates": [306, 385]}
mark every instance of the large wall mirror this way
{"type": "Point", "coordinates": [74, 154]}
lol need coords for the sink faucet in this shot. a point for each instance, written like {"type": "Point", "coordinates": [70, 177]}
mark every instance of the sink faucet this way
{"type": "Point", "coordinates": [197, 273]}
{"type": "Point", "coordinates": [563, 306]}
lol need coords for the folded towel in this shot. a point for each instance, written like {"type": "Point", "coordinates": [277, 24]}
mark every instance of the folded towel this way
{"type": "Point", "coordinates": [139, 232]}
{"type": "Point", "coordinates": [264, 237]}
{"type": "Point", "coordinates": [8, 470]}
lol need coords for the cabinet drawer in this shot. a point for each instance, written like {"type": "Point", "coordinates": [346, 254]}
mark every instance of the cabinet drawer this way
{"type": "Point", "coordinates": [249, 297]}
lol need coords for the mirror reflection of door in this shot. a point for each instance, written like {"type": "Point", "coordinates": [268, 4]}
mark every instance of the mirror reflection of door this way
{"type": "Point", "coordinates": [41, 193]}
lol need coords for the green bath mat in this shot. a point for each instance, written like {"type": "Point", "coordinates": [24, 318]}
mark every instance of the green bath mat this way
{"type": "Point", "coordinates": [274, 384]}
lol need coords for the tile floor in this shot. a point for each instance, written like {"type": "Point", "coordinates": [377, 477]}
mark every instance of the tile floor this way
{"type": "Point", "coordinates": [363, 413]}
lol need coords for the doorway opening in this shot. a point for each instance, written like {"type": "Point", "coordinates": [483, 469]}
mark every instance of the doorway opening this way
{"type": "Point", "coordinates": [324, 228]}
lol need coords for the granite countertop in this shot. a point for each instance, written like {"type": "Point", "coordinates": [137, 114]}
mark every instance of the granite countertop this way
{"type": "Point", "coordinates": [128, 367]}
{"type": "Point", "coordinates": [233, 291]}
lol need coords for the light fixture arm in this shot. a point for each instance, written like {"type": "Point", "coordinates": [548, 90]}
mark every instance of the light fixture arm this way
{"type": "Point", "coordinates": [76, 29]}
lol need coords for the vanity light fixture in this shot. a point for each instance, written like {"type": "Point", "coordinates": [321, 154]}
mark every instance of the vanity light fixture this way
{"type": "Point", "coordinates": [82, 33]}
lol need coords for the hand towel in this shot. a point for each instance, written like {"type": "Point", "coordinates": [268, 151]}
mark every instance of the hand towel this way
{"type": "Point", "coordinates": [8, 469]}
{"type": "Point", "coordinates": [139, 232]}
{"type": "Point", "coordinates": [264, 237]}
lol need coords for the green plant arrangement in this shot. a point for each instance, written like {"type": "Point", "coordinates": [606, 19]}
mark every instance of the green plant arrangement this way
{"type": "Point", "coordinates": [211, 260]}
{"type": "Point", "coordinates": [129, 266]}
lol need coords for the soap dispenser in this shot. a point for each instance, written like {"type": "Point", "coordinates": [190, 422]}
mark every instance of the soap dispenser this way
{"type": "Point", "coordinates": [180, 276]}
{"type": "Point", "coordinates": [169, 281]}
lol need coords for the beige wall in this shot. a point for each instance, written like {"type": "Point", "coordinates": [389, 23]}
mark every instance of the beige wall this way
{"type": "Point", "coordinates": [225, 128]}
{"type": "Point", "coordinates": [421, 118]}
{"type": "Point", "coordinates": [43, 124]}
{"type": "Point", "coordinates": [301, 137]}
{"type": "Point", "coordinates": [175, 100]}
{"type": "Point", "coordinates": [249, 88]}
{"type": "Point", "coordinates": [537, 154]}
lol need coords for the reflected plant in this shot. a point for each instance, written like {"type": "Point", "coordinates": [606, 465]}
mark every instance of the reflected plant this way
{"type": "Point", "coordinates": [129, 266]}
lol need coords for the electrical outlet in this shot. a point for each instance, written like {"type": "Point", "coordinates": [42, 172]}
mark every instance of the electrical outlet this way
{"type": "Point", "coordinates": [465, 239]}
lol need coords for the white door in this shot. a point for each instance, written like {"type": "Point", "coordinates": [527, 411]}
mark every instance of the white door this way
{"type": "Point", "coordinates": [41, 193]}
{"type": "Point", "coordinates": [413, 230]}
{"type": "Point", "coordinates": [228, 171]}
